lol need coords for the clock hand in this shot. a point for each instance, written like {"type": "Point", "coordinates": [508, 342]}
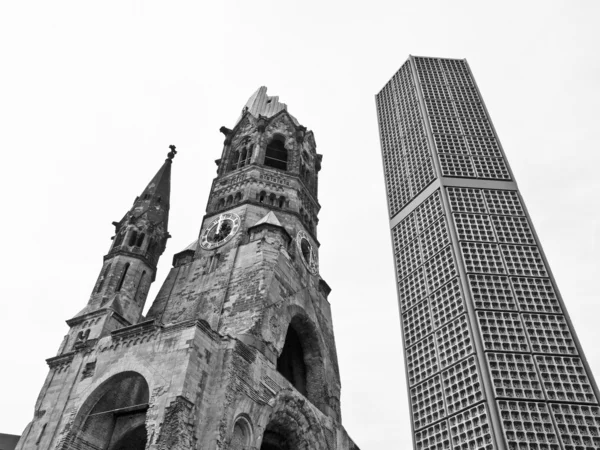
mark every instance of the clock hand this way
{"type": "Point", "coordinates": [218, 226]}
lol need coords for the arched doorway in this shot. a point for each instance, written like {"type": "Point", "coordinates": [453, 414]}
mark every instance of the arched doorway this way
{"type": "Point", "coordinates": [274, 441]}
{"type": "Point", "coordinates": [113, 417]}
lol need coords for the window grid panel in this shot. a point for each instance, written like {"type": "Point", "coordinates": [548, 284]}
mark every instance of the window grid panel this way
{"type": "Point", "coordinates": [456, 165]}
{"type": "Point", "coordinates": [445, 143]}
{"type": "Point", "coordinates": [429, 211]}
{"type": "Point", "coordinates": [513, 230]}
{"type": "Point", "coordinates": [421, 360]}
{"type": "Point", "coordinates": [431, 77]}
{"type": "Point", "coordinates": [427, 400]}
{"type": "Point", "coordinates": [470, 109]}
{"type": "Point", "coordinates": [578, 426]}
{"type": "Point", "coordinates": [549, 334]}
{"type": "Point", "coordinates": [454, 342]}
{"type": "Point", "coordinates": [462, 386]}
{"type": "Point", "coordinates": [458, 79]}
{"type": "Point", "coordinates": [440, 269]}
{"type": "Point", "coordinates": [445, 125]}
{"type": "Point", "coordinates": [434, 239]}
{"type": "Point", "coordinates": [439, 107]}
{"type": "Point", "coordinates": [491, 292]}
{"type": "Point", "coordinates": [457, 66]}
{"type": "Point", "coordinates": [490, 168]}
{"type": "Point", "coordinates": [436, 437]}
{"type": "Point", "coordinates": [564, 379]}
{"type": "Point", "coordinates": [482, 258]}
{"type": "Point", "coordinates": [446, 303]}
{"type": "Point", "coordinates": [474, 126]}
{"type": "Point", "coordinates": [408, 259]}
{"type": "Point", "coordinates": [502, 331]}
{"type": "Point", "coordinates": [436, 91]}
{"type": "Point", "coordinates": [463, 93]}
{"type": "Point", "coordinates": [412, 290]}
{"type": "Point", "coordinates": [466, 200]}
{"type": "Point", "coordinates": [474, 227]}
{"type": "Point", "coordinates": [514, 375]}
{"type": "Point", "coordinates": [421, 178]}
{"type": "Point", "coordinates": [471, 429]}
{"type": "Point", "coordinates": [527, 425]}
{"type": "Point", "coordinates": [483, 146]}
{"type": "Point", "coordinates": [524, 260]}
{"type": "Point", "coordinates": [417, 323]}
{"type": "Point", "coordinates": [404, 232]}
{"type": "Point", "coordinates": [505, 203]}
{"type": "Point", "coordinates": [535, 295]}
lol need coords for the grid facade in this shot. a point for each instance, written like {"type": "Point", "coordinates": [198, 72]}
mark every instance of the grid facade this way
{"type": "Point", "coordinates": [492, 360]}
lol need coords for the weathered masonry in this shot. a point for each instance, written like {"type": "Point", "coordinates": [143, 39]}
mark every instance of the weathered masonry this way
{"type": "Point", "coordinates": [237, 351]}
{"type": "Point", "coordinates": [492, 359]}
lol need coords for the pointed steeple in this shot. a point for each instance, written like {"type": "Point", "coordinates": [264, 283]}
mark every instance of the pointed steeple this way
{"type": "Point", "coordinates": [140, 239]}
{"type": "Point", "coordinates": [155, 199]}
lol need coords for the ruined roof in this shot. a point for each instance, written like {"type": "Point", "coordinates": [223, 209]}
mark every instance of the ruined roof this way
{"type": "Point", "coordinates": [262, 104]}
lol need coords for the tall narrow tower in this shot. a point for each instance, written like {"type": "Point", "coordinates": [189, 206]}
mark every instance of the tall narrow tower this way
{"type": "Point", "coordinates": [237, 351]}
{"type": "Point", "coordinates": [492, 359]}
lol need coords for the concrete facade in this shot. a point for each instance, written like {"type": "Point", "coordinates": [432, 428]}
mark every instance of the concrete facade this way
{"type": "Point", "coordinates": [492, 358]}
{"type": "Point", "coordinates": [237, 350]}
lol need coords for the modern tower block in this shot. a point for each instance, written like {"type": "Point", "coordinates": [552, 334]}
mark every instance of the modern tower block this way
{"type": "Point", "coordinates": [492, 359]}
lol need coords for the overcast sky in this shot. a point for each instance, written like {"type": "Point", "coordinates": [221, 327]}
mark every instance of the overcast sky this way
{"type": "Point", "coordinates": [92, 94]}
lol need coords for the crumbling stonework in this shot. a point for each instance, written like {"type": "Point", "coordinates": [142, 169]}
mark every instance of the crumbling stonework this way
{"type": "Point", "coordinates": [237, 350]}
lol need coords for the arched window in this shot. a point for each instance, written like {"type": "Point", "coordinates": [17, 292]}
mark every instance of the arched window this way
{"type": "Point", "coordinates": [262, 196]}
{"type": "Point", "coordinates": [229, 201]}
{"type": "Point", "coordinates": [132, 238]}
{"type": "Point", "coordinates": [233, 160]}
{"type": "Point", "coordinates": [243, 158]}
{"type": "Point", "coordinates": [140, 240]}
{"type": "Point", "coordinates": [281, 203]}
{"type": "Point", "coordinates": [119, 239]}
{"type": "Point", "coordinates": [291, 361]}
{"type": "Point", "coordinates": [237, 198]}
{"type": "Point", "coordinates": [141, 288]}
{"type": "Point", "coordinates": [242, 434]}
{"type": "Point", "coordinates": [276, 155]}
{"type": "Point", "coordinates": [221, 203]}
{"type": "Point", "coordinates": [103, 278]}
{"type": "Point", "coordinates": [272, 199]}
{"type": "Point", "coordinates": [113, 417]}
{"type": "Point", "coordinates": [123, 275]}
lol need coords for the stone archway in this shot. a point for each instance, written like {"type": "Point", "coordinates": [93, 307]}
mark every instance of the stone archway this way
{"type": "Point", "coordinates": [301, 359]}
{"type": "Point", "coordinates": [292, 425]}
{"type": "Point", "coordinates": [113, 417]}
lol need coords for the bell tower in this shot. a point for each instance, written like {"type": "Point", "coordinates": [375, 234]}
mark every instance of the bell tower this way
{"type": "Point", "coordinates": [237, 350]}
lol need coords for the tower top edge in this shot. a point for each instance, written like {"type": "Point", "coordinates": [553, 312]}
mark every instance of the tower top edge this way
{"type": "Point", "coordinates": [261, 104]}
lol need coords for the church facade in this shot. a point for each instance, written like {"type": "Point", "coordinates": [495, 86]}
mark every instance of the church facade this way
{"type": "Point", "coordinates": [237, 351]}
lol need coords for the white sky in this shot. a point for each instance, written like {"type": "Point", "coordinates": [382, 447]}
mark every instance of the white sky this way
{"type": "Point", "coordinates": [92, 94]}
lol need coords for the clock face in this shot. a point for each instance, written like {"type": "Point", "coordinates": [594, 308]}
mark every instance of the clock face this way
{"type": "Point", "coordinates": [220, 231]}
{"type": "Point", "coordinates": [307, 252]}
